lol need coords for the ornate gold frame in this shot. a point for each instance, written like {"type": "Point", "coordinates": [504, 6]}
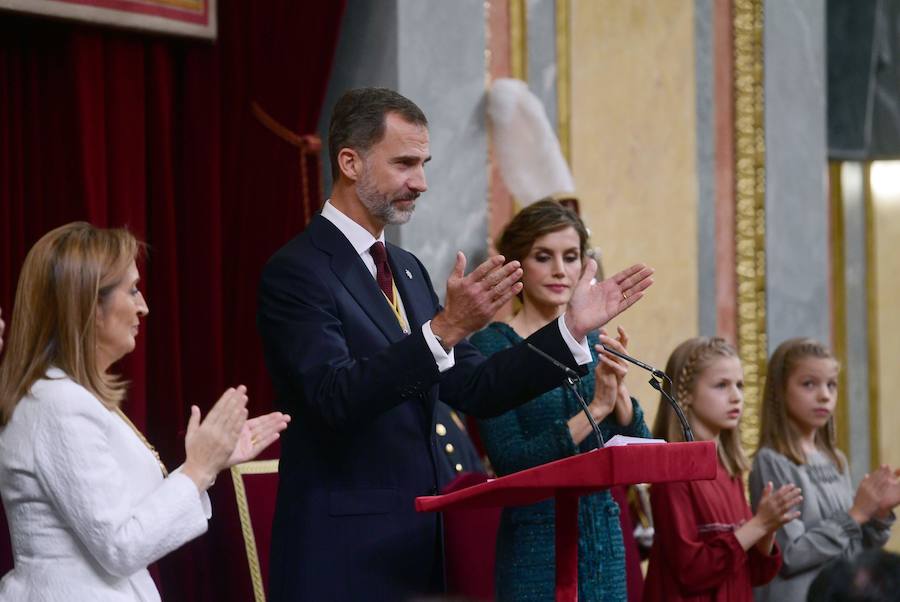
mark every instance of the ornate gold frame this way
{"type": "Point", "coordinates": [564, 78]}
{"type": "Point", "coordinates": [839, 300]}
{"type": "Point", "coordinates": [750, 211]}
{"type": "Point", "coordinates": [872, 322]}
{"type": "Point", "coordinates": [839, 308]}
{"type": "Point", "coordinates": [518, 39]}
{"type": "Point", "coordinates": [240, 495]}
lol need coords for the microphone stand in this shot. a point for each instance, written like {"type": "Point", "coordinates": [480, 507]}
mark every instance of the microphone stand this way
{"type": "Point", "coordinates": [685, 427]}
{"type": "Point", "coordinates": [572, 379]}
{"type": "Point", "coordinates": [656, 382]}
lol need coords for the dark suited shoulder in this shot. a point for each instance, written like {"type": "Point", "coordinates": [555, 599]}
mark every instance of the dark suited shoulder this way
{"type": "Point", "coordinates": [322, 349]}
{"type": "Point", "coordinates": [360, 392]}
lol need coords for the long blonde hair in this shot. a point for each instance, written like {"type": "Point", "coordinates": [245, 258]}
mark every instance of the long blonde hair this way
{"type": "Point", "coordinates": [66, 274]}
{"type": "Point", "coordinates": [776, 429]}
{"type": "Point", "coordinates": [685, 365]}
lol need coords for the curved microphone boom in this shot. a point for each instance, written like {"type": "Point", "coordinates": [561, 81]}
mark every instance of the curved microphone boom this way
{"type": "Point", "coordinates": [656, 382]}
{"type": "Point", "coordinates": [685, 427]}
{"type": "Point", "coordinates": [571, 381]}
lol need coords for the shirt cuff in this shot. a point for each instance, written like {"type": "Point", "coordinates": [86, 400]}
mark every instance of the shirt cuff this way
{"type": "Point", "coordinates": [444, 360]}
{"type": "Point", "coordinates": [580, 351]}
{"type": "Point", "coordinates": [847, 524]}
{"type": "Point", "coordinates": [885, 523]}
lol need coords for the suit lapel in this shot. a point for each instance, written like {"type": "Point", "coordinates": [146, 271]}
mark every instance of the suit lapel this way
{"type": "Point", "coordinates": [353, 274]}
{"type": "Point", "coordinates": [412, 287]}
{"type": "Point", "coordinates": [419, 306]}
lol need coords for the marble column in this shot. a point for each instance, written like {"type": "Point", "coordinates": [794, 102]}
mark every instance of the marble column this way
{"type": "Point", "coordinates": [797, 249]}
{"type": "Point", "coordinates": [366, 55]}
{"type": "Point", "coordinates": [541, 24]}
{"type": "Point", "coordinates": [434, 54]}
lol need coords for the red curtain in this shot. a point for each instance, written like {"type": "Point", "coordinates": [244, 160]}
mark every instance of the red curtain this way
{"type": "Point", "coordinates": [156, 133]}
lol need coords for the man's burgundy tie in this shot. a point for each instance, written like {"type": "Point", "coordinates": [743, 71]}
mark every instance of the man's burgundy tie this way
{"type": "Point", "coordinates": [383, 270]}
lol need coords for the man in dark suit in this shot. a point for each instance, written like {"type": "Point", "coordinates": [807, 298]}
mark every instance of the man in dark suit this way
{"type": "Point", "coordinates": [360, 350]}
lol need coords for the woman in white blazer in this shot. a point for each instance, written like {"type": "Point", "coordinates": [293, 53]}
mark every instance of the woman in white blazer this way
{"type": "Point", "coordinates": [88, 501]}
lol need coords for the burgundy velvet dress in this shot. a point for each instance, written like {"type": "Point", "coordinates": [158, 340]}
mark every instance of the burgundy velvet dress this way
{"type": "Point", "coordinates": [695, 554]}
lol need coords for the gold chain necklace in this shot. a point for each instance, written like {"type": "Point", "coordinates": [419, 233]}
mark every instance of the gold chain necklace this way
{"type": "Point", "coordinates": [143, 439]}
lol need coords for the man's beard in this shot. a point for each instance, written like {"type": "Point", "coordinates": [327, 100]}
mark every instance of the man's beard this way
{"type": "Point", "coordinates": [381, 205]}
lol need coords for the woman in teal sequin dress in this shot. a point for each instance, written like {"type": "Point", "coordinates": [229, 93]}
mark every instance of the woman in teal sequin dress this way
{"type": "Point", "coordinates": [550, 241]}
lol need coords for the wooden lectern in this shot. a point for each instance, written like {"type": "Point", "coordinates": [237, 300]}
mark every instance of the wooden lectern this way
{"type": "Point", "coordinates": [567, 479]}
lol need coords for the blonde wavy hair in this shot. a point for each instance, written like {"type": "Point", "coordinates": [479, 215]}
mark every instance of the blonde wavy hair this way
{"type": "Point", "coordinates": [66, 275]}
{"type": "Point", "coordinates": [777, 431]}
{"type": "Point", "coordinates": [685, 365]}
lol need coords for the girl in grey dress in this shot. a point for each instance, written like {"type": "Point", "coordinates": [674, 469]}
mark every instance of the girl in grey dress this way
{"type": "Point", "coordinates": [797, 445]}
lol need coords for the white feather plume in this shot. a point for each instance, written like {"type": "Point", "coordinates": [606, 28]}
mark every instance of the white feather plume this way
{"type": "Point", "coordinates": [526, 148]}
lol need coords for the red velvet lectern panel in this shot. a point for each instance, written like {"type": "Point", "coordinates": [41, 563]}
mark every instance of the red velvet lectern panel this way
{"type": "Point", "coordinates": [568, 479]}
{"type": "Point", "coordinates": [470, 536]}
{"type": "Point", "coordinates": [597, 469]}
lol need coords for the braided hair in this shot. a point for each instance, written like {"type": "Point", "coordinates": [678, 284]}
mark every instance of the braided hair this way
{"type": "Point", "coordinates": [685, 365]}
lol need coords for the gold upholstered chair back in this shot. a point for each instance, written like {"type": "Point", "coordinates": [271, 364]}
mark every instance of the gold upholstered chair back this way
{"type": "Point", "coordinates": [255, 489]}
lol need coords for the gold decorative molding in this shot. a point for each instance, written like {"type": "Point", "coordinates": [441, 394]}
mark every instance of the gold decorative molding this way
{"type": "Point", "coordinates": [518, 39]}
{"type": "Point", "coordinates": [564, 77]}
{"type": "Point", "coordinates": [873, 334]}
{"type": "Point", "coordinates": [839, 301]}
{"type": "Point", "coordinates": [839, 293]}
{"type": "Point", "coordinates": [750, 210]}
{"type": "Point", "coordinates": [240, 495]}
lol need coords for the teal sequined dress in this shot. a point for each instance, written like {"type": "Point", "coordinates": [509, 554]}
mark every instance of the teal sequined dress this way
{"type": "Point", "coordinates": [533, 434]}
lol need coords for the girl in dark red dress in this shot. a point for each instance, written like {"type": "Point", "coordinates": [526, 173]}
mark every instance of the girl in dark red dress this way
{"type": "Point", "coordinates": [708, 545]}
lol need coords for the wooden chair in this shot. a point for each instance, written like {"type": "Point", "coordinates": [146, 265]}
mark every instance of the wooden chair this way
{"type": "Point", "coordinates": [255, 488]}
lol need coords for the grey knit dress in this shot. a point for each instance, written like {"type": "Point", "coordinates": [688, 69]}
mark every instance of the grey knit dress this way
{"type": "Point", "coordinates": [823, 532]}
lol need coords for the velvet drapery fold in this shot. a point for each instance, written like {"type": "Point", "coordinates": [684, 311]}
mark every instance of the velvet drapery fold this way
{"type": "Point", "coordinates": [156, 133]}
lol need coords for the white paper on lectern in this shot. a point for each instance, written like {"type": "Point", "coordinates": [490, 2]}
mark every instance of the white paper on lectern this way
{"type": "Point", "coordinates": [626, 440]}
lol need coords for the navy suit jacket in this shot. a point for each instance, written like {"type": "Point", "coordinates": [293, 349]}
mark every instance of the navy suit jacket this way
{"type": "Point", "coordinates": [361, 394]}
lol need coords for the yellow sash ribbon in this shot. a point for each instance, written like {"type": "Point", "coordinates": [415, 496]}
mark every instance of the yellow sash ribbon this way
{"type": "Point", "coordinates": [395, 306]}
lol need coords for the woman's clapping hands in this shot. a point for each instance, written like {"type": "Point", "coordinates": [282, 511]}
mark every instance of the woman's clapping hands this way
{"type": "Point", "coordinates": [256, 435]}
{"type": "Point", "coordinates": [226, 437]}
{"type": "Point", "coordinates": [610, 365]}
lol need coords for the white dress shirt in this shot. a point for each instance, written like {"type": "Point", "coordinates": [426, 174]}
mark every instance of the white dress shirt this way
{"type": "Point", "coordinates": [362, 240]}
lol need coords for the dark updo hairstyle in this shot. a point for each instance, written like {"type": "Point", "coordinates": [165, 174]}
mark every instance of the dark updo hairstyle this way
{"type": "Point", "coordinates": [536, 220]}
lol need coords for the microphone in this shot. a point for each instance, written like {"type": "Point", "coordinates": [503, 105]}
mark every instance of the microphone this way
{"type": "Point", "coordinates": [685, 427]}
{"type": "Point", "coordinates": [654, 371]}
{"type": "Point", "coordinates": [572, 380]}
{"type": "Point", "coordinates": [656, 383]}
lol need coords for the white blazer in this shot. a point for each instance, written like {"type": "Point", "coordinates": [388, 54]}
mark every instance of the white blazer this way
{"type": "Point", "coordinates": [87, 505]}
